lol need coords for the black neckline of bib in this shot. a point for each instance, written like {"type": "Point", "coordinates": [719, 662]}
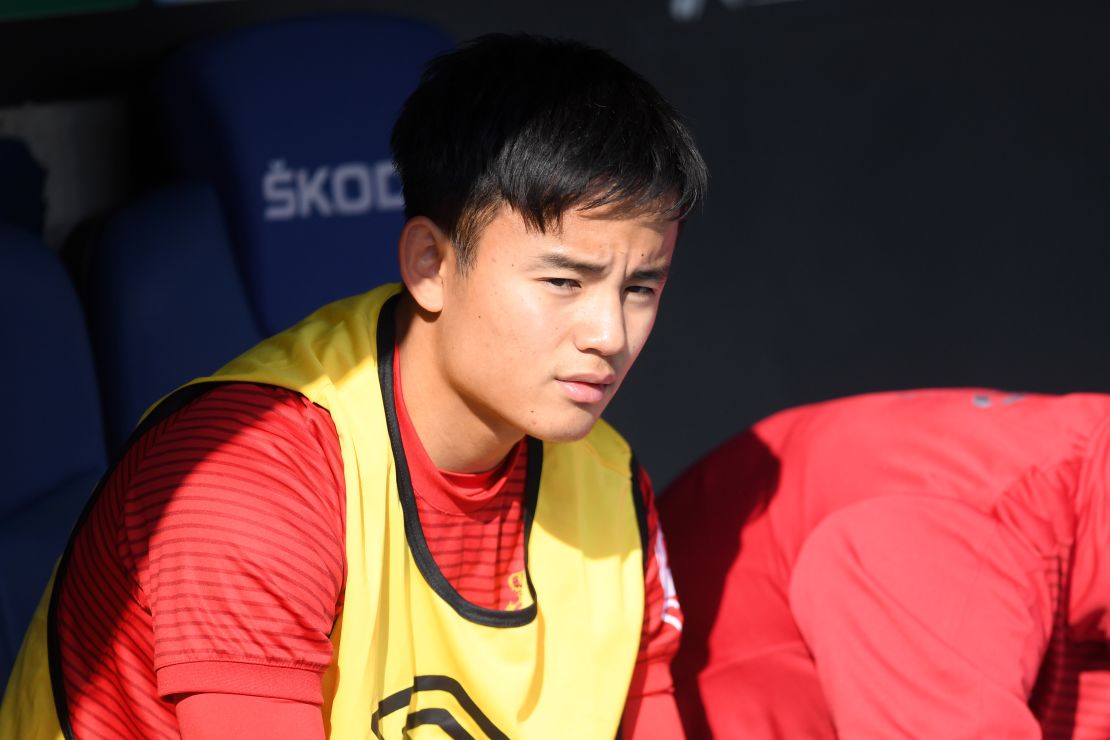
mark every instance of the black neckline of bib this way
{"type": "Point", "coordinates": [414, 534]}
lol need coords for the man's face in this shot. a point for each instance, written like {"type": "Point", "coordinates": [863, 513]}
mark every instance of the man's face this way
{"type": "Point", "coordinates": [538, 333]}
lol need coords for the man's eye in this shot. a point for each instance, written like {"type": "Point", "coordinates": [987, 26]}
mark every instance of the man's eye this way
{"type": "Point", "coordinates": [566, 283]}
{"type": "Point", "coordinates": [642, 290]}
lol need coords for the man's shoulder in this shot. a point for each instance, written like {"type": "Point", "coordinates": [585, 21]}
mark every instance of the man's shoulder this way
{"type": "Point", "coordinates": [333, 347]}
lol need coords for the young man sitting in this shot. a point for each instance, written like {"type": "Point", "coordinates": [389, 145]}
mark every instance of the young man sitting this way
{"type": "Point", "coordinates": [403, 515]}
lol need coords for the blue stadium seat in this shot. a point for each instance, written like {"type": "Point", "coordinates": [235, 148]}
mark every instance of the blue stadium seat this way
{"type": "Point", "coordinates": [52, 437]}
{"type": "Point", "coordinates": [164, 299]}
{"type": "Point", "coordinates": [290, 121]}
{"type": "Point", "coordinates": [22, 186]}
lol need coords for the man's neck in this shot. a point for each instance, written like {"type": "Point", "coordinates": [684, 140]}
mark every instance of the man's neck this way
{"type": "Point", "coordinates": [457, 436]}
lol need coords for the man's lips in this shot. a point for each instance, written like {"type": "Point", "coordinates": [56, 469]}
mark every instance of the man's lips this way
{"type": "Point", "coordinates": [586, 388]}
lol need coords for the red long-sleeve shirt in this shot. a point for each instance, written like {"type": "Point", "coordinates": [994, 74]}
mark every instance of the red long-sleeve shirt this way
{"type": "Point", "coordinates": [922, 564]}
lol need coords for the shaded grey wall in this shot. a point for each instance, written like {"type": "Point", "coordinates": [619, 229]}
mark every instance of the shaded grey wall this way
{"type": "Point", "coordinates": [899, 197]}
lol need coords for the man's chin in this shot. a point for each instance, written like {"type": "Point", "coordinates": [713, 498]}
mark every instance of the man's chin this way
{"type": "Point", "coordinates": [568, 430]}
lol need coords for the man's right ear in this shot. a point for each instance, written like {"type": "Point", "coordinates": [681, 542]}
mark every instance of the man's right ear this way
{"type": "Point", "coordinates": [424, 251]}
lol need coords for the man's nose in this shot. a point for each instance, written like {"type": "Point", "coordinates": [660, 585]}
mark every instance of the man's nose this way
{"type": "Point", "coordinates": [602, 327]}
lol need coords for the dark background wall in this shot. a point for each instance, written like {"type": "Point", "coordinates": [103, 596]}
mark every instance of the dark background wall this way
{"type": "Point", "coordinates": [901, 196]}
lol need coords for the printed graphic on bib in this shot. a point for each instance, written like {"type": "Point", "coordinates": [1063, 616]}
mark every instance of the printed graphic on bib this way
{"type": "Point", "coordinates": [432, 702]}
{"type": "Point", "coordinates": [517, 585]}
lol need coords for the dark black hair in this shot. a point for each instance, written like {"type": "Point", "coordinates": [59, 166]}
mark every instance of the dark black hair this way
{"type": "Point", "coordinates": [543, 126]}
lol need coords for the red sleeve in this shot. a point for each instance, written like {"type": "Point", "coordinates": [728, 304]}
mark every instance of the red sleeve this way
{"type": "Point", "coordinates": [650, 711]}
{"type": "Point", "coordinates": [240, 544]}
{"type": "Point", "coordinates": [215, 716]}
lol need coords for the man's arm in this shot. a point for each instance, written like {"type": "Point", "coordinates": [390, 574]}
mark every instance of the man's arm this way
{"type": "Point", "coordinates": [925, 617]}
{"type": "Point", "coordinates": [217, 716]}
{"type": "Point", "coordinates": [246, 561]}
{"type": "Point", "coordinates": [651, 716]}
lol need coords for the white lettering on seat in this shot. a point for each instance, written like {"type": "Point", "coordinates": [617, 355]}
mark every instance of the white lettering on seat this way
{"type": "Point", "coordinates": [346, 189]}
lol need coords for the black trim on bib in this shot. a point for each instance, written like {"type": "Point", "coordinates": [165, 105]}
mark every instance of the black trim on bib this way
{"type": "Point", "coordinates": [531, 498]}
{"type": "Point", "coordinates": [414, 534]}
{"type": "Point", "coordinates": [172, 403]}
{"type": "Point", "coordinates": [641, 509]}
{"type": "Point", "coordinates": [442, 719]}
{"type": "Point", "coordinates": [435, 716]}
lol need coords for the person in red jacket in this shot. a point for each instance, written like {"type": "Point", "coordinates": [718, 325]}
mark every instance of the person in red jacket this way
{"type": "Point", "coordinates": [926, 564]}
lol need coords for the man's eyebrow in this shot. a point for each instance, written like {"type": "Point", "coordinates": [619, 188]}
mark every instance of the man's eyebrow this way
{"type": "Point", "coordinates": [559, 261]}
{"type": "Point", "coordinates": [651, 274]}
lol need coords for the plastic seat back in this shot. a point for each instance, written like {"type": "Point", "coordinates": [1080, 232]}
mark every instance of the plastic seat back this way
{"type": "Point", "coordinates": [291, 122]}
{"type": "Point", "coordinates": [165, 301]}
{"type": "Point", "coordinates": [52, 439]}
